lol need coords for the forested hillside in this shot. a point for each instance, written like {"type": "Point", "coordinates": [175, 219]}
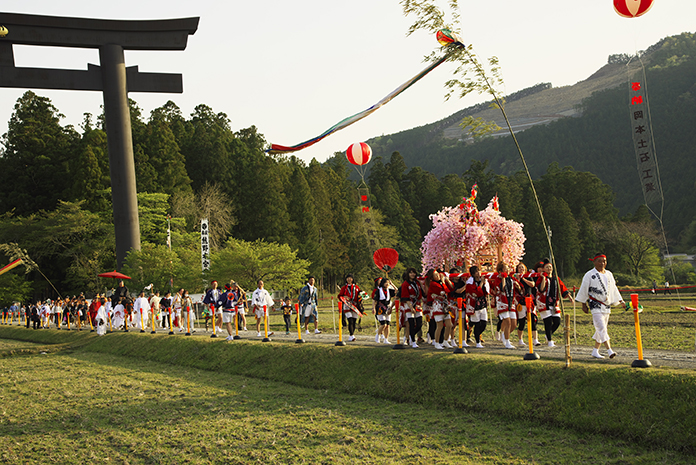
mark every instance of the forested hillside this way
{"type": "Point", "coordinates": [279, 218]}
{"type": "Point", "coordinates": [598, 140]}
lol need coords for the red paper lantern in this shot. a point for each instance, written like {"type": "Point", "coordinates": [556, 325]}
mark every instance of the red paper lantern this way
{"type": "Point", "coordinates": [359, 154]}
{"type": "Point", "coordinates": [632, 8]}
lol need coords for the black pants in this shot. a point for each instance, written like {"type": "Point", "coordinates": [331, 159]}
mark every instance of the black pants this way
{"type": "Point", "coordinates": [414, 325]}
{"type": "Point", "coordinates": [479, 328]}
{"type": "Point", "coordinates": [432, 328]}
{"type": "Point", "coordinates": [521, 323]}
{"type": "Point", "coordinates": [351, 325]}
{"type": "Point", "coordinates": [286, 318]}
{"type": "Point", "coordinates": [551, 324]}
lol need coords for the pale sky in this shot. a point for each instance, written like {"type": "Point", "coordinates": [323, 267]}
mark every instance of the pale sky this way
{"type": "Point", "coordinates": [295, 68]}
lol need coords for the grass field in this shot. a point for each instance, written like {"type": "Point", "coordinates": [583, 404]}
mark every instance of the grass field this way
{"type": "Point", "coordinates": [98, 408]}
{"type": "Point", "coordinates": [137, 398]}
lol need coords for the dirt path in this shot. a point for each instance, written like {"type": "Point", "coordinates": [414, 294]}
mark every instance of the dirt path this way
{"type": "Point", "coordinates": [579, 353]}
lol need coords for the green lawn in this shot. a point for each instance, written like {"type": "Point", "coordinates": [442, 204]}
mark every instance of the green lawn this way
{"type": "Point", "coordinates": [98, 408]}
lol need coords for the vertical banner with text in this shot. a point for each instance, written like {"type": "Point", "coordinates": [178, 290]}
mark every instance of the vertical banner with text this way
{"type": "Point", "coordinates": [205, 245]}
{"type": "Point", "coordinates": [643, 144]}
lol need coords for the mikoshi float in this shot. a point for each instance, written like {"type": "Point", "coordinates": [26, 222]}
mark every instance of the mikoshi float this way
{"type": "Point", "coordinates": [463, 236]}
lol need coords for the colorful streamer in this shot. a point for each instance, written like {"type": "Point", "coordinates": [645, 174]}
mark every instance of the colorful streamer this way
{"type": "Point", "coordinates": [9, 266]}
{"type": "Point", "coordinates": [452, 39]}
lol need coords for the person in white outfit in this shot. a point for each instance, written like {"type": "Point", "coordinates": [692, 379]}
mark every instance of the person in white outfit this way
{"type": "Point", "coordinates": [100, 319]}
{"type": "Point", "coordinates": [118, 316]}
{"type": "Point", "coordinates": [141, 308]}
{"type": "Point", "coordinates": [260, 299]}
{"type": "Point", "coordinates": [597, 293]}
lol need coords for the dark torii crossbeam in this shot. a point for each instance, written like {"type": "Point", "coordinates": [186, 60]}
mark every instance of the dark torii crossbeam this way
{"type": "Point", "coordinates": [111, 38]}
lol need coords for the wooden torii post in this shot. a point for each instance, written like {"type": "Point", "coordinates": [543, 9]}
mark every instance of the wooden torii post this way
{"type": "Point", "coordinates": [111, 38]}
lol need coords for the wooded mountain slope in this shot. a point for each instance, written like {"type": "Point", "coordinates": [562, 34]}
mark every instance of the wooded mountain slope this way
{"type": "Point", "coordinates": [585, 126]}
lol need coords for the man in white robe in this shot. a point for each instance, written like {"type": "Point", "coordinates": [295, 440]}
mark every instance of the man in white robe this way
{"type": "Point", "coordinates": [101, 319]}
{"type": "Point", "coordinates": [597, 293]}
{"type": "Point", "coordinates": [141, 306]}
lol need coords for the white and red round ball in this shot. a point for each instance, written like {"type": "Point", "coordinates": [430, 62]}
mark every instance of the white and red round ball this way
{"type": "Point", "coordinates": [632, 8]}
{"type": "Point", "coordinates": [359, 153]}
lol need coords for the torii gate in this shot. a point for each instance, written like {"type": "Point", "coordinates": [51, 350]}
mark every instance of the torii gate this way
{"type": "Point", "coordinates": [111, 37]}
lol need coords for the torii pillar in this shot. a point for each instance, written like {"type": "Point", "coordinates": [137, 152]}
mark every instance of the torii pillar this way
{"type": "Point", "coordinates": [111, 37]}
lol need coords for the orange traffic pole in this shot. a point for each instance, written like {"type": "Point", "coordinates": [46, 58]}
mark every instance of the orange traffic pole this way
{"type": "Point", "coordinates": [265, 325]}
{"type": "Point", "coordinates": [640, 363]}
{"type": "Point", "coordinates": [299, 339]}
{"type": "Point", "coordinates": [214, 335]}
{"type": "Point", "coordinates": [153, 322]}
{"type": "Point", "coordinates": [340, 342]}
{"type": "Point", "coordinates": [188, 321]}
{"type": "Point", "coordinates": [531, 355]}
{"type": "Point", "coordinates": [398, 344]}
{"type": "Point", "coordinates": [142, 322]}
{"type": "Point", "coordinates": [171, 322]}
{"type": "Point", "coordinates": [236, 324]}
{"type": "Point", "coordinates": [460, 349]}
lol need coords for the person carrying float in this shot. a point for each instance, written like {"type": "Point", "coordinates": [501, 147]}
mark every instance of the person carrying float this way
{"type": "Point", "coordinates": [439, 287]}
{"type": "Point", "coordinates": [458, 291]}
{"type": "Point", "coordinates": [411, 297]}
{"type": "Point", "coordinates": [525, 288]}
{"type": "Point", "coordinates": [477, 291]}
{"type": "Point", "coordinates": [550, 289]}
{"type": "Point", "coordinates": [503, 286]}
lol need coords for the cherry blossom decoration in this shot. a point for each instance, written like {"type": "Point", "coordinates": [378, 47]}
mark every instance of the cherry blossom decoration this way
{"type": "Point", "coordinates": [462, 233]}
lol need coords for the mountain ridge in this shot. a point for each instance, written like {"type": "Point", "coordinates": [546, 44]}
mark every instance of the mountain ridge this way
{"type": "Point", "coordinates": [584, 126]}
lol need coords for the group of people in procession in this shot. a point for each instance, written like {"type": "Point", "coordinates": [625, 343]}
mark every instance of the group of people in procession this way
{"type": "Point", "coordinates": [230, 306]}
{"type": "Point", "coordinates": [435, 299]}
